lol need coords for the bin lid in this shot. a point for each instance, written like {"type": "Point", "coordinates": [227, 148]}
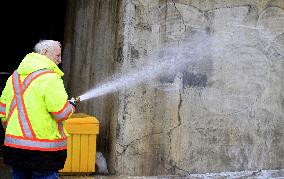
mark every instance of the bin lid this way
{"type": "Point", "coordinates": [82, 118]}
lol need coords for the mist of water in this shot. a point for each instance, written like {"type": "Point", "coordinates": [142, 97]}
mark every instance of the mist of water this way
{"type": "Point", "coordinates": [174, 57]}
{"type": "Point", "coordinates": [165, 61]}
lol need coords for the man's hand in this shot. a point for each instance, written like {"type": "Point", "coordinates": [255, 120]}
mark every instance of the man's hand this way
{"type": "Point", "coordinates": [72, 101]}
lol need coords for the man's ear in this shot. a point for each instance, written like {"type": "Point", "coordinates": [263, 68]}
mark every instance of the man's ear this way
{"type": "Point", "coordinates": [45, 51]}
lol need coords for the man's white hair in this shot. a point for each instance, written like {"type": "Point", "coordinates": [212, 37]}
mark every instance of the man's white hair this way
{"type": "Point", "coordinates": [44, 45]}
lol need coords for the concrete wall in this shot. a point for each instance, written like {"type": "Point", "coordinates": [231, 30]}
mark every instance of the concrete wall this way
{"type": "Point", "coordinates": [88, 57]}
{"type": "Point", "coordinates": [224, 113]}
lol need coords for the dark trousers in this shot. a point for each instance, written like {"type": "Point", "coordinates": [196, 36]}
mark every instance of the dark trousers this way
{"type": "Point", "coordinates": [33, 174]}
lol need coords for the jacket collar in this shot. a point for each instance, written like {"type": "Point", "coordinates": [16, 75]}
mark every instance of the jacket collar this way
{"type": "Point", "coordinates": [34, 62]}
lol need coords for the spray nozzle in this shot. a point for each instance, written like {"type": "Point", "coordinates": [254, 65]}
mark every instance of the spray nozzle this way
{"type": "Point", "coordinates": [75, 100]}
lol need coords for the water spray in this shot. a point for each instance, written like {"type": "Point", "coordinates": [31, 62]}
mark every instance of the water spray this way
{"type": "Point", "coordinates": [166, 60]}
{"type": "Point", "coordinates": [176, 57]}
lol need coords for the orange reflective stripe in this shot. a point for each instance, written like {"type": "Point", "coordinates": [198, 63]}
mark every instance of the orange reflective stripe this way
{"type": "Point", "coordinates": [3, 109]}
{"type": "Point", "coordinates": [32, 77]}
{"type": "Point", "coordinates": [22, 115]}
{"type": "Point", "coordinates": [18, 100]}
{"type": "Point", "coordinates": [61, 130]}
{"type": "Point", "coordinates": [29, 141]}
{"type": "Point", "coordinates": [27, 81]}
{"type": "Point", "coordinates": [35, 144]}
{"type": "Point", "coordinates": [64, 112]}
{"type": "Point", "coordinates": [12, 107]}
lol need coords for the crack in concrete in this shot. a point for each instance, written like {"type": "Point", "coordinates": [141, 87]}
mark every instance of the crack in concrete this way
{"type": "Point", "coordinates": [179, 106]}
{"type": "Point", "coordinates": [179, 14]}
{"type": "Point", "coordinates": [179, 116]}
{"type": "Point", "coordinates": [173, 166]}
{"type": "Point", "coordinates": [125, 147]}
{"type": "Point", "coordinates": [171, 163]}
{"type": "Point", "coordinates": [181, 169]}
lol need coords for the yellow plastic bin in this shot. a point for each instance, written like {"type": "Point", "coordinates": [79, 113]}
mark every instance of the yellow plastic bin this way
{"type": "Point", "coordinates": [81, 147]}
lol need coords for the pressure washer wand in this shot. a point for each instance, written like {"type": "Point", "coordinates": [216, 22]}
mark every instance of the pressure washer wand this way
{"type": "Point", "coordinates": [75, 101]}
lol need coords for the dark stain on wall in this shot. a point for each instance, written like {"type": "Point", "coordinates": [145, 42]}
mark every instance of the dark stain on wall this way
{"type": "Point", "coordinates": [167, 79]}
{"type": "Point", "coordinates": [119, 55]}
{"type": "Point", "coordinates": [282, 104]}
{"type": "Point", "coordinates": [194, 80]}
{"type": "Point", "coordinates": [188, 79]}
{"type": "Point", "coordinates": [134, 52]}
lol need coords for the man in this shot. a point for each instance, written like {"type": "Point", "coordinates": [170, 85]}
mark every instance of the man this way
{"type": "Point", "coordinates": [33, 107]}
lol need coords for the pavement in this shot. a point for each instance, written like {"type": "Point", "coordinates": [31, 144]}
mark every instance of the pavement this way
{"type": "Point", "coordinates": [261, 174]}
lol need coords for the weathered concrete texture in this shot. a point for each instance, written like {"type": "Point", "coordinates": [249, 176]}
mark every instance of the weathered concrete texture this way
{"type": "Point", "coordinates": [88, 53]}
{"type": "Point", "coordinates": [223, 175]}
{"type": "Point", "coordinates": [228, 113]}
{"type": "Point", "coordinates": [223, 113]}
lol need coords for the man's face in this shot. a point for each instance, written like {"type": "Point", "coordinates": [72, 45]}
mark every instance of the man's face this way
{"type": "Point", "coordinates": [55, 54]}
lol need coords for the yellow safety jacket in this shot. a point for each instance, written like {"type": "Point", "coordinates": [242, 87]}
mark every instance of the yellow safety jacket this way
{"type": "Point", "coordinates": [34, 105]}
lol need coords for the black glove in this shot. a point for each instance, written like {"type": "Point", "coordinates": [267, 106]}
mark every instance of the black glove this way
{"type": "Point", "coordinates": [72, 101]}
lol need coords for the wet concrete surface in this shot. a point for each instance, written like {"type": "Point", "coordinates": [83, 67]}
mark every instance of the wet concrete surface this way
{"type": "Point", "coordinates": [260, 174]}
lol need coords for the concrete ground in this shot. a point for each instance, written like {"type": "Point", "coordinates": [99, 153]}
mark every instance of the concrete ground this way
{"type": "Point", "coordinates": [261, 174]}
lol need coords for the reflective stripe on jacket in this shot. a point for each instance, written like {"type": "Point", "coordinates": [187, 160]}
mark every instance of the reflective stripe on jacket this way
{"type": "Point", "coordinates": [34, 106]}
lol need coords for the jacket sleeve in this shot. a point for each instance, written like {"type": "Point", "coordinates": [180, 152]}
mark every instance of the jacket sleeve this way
{"type": "Point", "coordinates": [3, 104]}
{"type": "Point", "coordinates": [56, 99]}
{"type": "Point", "coordinates": [2, 107]}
